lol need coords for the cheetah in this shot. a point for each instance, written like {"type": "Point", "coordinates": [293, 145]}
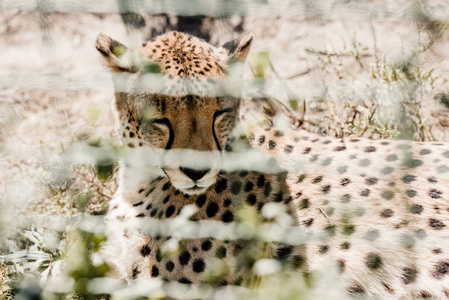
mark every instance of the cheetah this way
{"type": "Point", "coordinates": [371, 215]}
{"type": "Point", "coordinates": [166, 120]}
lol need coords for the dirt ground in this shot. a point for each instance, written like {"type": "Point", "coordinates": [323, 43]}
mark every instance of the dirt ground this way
{"type": "Point", "coordinates": [55, 91]}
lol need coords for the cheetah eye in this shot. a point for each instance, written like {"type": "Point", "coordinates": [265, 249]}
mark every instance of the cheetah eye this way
{"type": "Point", "coordinates": [163, 126]}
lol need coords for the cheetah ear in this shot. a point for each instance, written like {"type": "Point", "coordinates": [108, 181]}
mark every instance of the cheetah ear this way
{"type": "Point", "coordinates": [239, 48]}
{"type": "Point", "coordinates": [118, 57]}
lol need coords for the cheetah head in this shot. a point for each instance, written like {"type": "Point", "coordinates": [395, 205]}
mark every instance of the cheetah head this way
{"type": "Point", "coordinates": [175, 94]}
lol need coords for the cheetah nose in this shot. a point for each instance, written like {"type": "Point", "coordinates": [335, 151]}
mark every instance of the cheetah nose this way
{"type": "Point", "coordinates": [195, 175]}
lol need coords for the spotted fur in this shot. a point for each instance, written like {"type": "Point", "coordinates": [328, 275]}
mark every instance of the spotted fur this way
{"type": "Point", "coordinates": [383, 206]}
{"type": "Point", "coordinates": [378, 208]}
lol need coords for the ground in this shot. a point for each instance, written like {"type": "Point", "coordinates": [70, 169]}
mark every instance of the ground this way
{"type": "Point", "coordinates": [339, 74]}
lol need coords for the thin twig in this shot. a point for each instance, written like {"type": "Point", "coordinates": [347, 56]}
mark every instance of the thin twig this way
{"type": "Point", "coordinates": [325, 53]}
{"type": "Point", "coordinates": [325, 215]}
{"type": "Point", "coordinates": [103, 194]}
{"type": "Point", "coordinates": [300, 74]}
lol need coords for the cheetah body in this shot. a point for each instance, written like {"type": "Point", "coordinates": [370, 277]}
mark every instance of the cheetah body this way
{"type": "Point", "coordinates": [373, 214]}
{"type": "Point", "coordinates": [381, 209]}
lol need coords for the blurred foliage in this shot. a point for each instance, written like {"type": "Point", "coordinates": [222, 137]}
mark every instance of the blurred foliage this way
{"type": "Point", "coordinates": [388, 107]}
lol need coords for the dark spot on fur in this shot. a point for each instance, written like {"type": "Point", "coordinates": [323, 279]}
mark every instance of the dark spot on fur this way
{"type": "Point", "coordinates": [409, 275]}
{"type": "Point", "coordinates": [184, 258]}
{"type": "Point", "coordinates": [308, 222]}
{"type": "Point", "coordinates": [288, 149]}
{"type": "Point", "coordinates": [341, 266]}
{"type": "Point", "coordinates": [301, 178]}
{"type": "Point", "coordinates": [432, 179]}
{"type": "Point", "coordinates": [412, 163]}
{"type": "Point", "coordinates": [261, 181]}
{"type": "Point", "coordinates": [442, 169]}
{"type": "Point", "coordinates": [365, 193]}
{"type": "Point", "coordinates": [184, 280]}
{"type": "Point", "coordinates": [388, 195]}
{"type": "Point", "coordinates": [170, 210]}
{"type": "Point", "coordinates": [387, 170]}
{"type": "Point", "coordinates": [267, 189]}
{"type": "Point", "coordinates": [436, 224]}
{"type": "Point", "coordinates": [327, 161]}
{"type": "Point", "coordinates": [425, 294]}
{"type": "Point", "coordinates": [323, 249]}
{"type": "Point", "coordinates": [416, 209]}
{"type": "Point", "coordinates": [243, 173]}
{"type": "Point", "coordinates": [251, 199]}
{"type": "Point", "coordinates": [420, 234]}
{"type": "Point", "coordinates": [154, 271]}
{"type": "Point", "coordinates": [227, 203]}
{"type": "Point", "coordinates": [206, 245]}
{"type": "Point", "coordinates": [392, 157]}
{"type": "Point", "coordinates": [236, 187]}
{"type": "Point", "coordinates": [330, 230]}
{"type": "Point", "coordinates": [307, 150]}
{"type": "Point", "coordinates": [410, 193]}
{"type": "Point", "coordinates": [388, 288]}
{"type": "Point", "coordinates": [345, 198]}
{"type": "Point", "coordinates": [372, 235]}
{"type": "Point", "coordinates": [371, 180]}
{"type": "Point", "coordinates": [284, 251]}
{"type": "Point", "coordinates": [249, 186]}
{"type": "Point", "coordinates": [297, 261]}
{"type": "Point", "coordinates": [408, 178]}
{"type": "Point", "coordinates": [348, 229]}
{"type": "Point", "coordinates": [345, 181]}
{"type": "Point", "coordinates": [370, 149]}
{"type": "Point", "coordinates": [227, 217]}
{"type": "Point", "coordinates": [342, 169]}
{"type": "Point", "coordinates": [326, 189]}
{"type": "Point", "coordinates": [407, 241]}
{"type": "Point", "coordinates": [314, 158]}
{"type": "Point", "coordinates": [317, 179]}
{"type": "Point", "coordinates": [169, 265]}
{"type": "Point", "coordinates": [135, 272]}
{"type": "Point", "coordinates": [201, 200]}
{"type": "Point", "coordinates": [145, 250]}
{"type": "Point", "coordinates": [221, 252]}
{"type": "Point", "coordinates": [373, 261]}
{"type": "Point", "coordinates": [387, 213]}
{"type": "Point", "coordinates": [340, 148]}
{"type": "Point", "coordinates": [221, 185]}
{"type": "Point", "coordinates": [435, 194]}
{"type": "Point", "coordinates": [166, 186]}
{"type": "Point", "coordinates": [356, 288]}
{"type": "Point", "coordinates": [304, 203]}
{"type": "Point", "coordinates": [425, 151]}
{"type": "Point", "coordinates": [198, 266]}
{"type": "Point", "coordinates": [212, 209]}
{"type": "Point", "coordinates": [345, 246]}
